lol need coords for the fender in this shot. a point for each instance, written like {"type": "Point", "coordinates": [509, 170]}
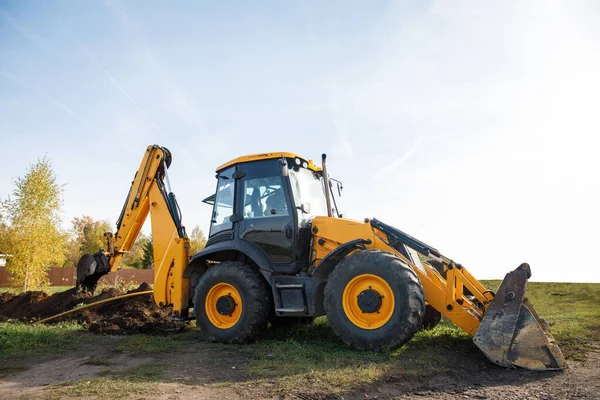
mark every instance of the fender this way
{"type": "Point", "coordinates": [321, 272]}
{"type": "Point", "coordinates": [229, 250]}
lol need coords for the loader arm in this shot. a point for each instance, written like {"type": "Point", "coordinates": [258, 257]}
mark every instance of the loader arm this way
{"type": "Point", "coordinates": [445, 294]}
{"type": "Point", "coordinates": [149, 194]}
{"type": "Point", "coordinates": [505, 326]}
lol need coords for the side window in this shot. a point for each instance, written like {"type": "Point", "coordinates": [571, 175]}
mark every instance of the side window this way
{"type": "Point", "coordinates": [265, 197]}
{"type": "Point", "coordinates": [223, 208]}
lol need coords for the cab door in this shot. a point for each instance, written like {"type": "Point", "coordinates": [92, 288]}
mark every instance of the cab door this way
{"type": "Point", "coordinates": [267, 218]}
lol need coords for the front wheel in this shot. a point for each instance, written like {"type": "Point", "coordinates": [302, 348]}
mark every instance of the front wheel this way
{"type": "Point", "coordinates": [374, 301]}
{"type": "Point", "coordinates": [231, 303]}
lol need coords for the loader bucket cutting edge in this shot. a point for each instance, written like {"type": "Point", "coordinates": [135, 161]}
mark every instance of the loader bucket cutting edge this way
{"type": "Point", "coordinates": [511, 333]}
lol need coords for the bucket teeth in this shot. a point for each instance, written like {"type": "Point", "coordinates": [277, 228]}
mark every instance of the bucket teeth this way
{"type": "Point", "coordinates": [511, 333]}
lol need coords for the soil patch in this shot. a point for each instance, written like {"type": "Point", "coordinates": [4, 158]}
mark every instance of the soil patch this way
{"type": "Point", "coordinates": [136, 314]}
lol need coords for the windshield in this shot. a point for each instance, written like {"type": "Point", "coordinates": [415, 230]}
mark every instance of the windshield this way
{"type": "Point", "coordinates": [307, 187]}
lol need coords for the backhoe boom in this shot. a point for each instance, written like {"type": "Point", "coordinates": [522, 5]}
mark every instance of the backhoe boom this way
{"type": "Point", "coordinates": [149, 195]}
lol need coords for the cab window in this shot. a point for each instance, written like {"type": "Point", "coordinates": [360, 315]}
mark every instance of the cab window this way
{"type": "Point", "coordinates": [223, 207]}
{"type": "Point", "coordinates": [264, 197]}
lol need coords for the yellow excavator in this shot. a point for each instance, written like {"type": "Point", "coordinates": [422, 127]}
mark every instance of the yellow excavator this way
{"type": "Point", "coordinates": [279, 251]}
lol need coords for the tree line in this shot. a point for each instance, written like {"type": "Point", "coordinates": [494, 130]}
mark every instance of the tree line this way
{"type": "Point", "coordinates": [30, 231]}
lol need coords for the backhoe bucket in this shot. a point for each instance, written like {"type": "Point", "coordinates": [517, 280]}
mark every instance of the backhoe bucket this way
{"type": "Point", "coordinates": [90, 268]}
{"type": "Point", "coordinates": [511, 333]}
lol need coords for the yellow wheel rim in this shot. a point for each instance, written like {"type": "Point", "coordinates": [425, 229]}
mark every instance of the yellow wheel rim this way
{"type": "Point", "coordinates": [372, 285]}
{"type": "Point", "coordinates": [219, 294]}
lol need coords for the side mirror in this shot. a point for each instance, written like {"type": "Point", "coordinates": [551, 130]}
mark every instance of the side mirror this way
{"type": "Point", "coordinates": [305, 208]}
{"type": "Point", "coordinates": [283, 167]}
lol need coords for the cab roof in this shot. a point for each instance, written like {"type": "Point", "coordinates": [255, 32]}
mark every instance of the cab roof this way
{"type": "Point", "coordinates": [267, 156]}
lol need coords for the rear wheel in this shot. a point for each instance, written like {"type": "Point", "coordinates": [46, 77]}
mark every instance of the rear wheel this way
{"type": "Point", "coordinates": [374, 301]}
{"type": "Point", "coordinates": [231, 303]}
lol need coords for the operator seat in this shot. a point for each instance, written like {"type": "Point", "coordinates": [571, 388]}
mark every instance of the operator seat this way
{"type": "Point", "coordinates": [276, 204]}
{"type": "Point", "coordinates": [255, 204]}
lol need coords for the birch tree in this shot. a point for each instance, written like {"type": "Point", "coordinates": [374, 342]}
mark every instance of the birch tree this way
{"type": "Point", "coordinates": [34, 237]}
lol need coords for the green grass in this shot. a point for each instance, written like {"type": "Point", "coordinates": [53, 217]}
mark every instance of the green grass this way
{"type": "Point", "coordinates": [57, 289]}
{"type": "Point", "coordinates": [115, 384]}
{"type": "Point", "coordinates": [303, 349]}
{"type": "Point", "coordinates": [103, 388]}
{"type": "Point", "coordinates": [150, 344]}
{"type": "Point", "coordinates": [98, 361]}
{"type": "Point", "coordinates": [20, 339]}
{"type": "Point", "coordinates": [314, 354]}
{"type": "Point", "coordinates": [571, 309]}
{"type": "Point", "coordinates": [48, 289]}
{"type": "Point", "coordinates": [149, 372]}
{"type": "Point", "coordinates": [294, 359]}
{"type": "Point", "coordinates": [6, 370]}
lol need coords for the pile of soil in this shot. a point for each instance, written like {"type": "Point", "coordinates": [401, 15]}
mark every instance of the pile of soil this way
{"type": "Point", "coordinates": [138, 314]}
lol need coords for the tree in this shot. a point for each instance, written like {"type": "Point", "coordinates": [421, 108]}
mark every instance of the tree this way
{"type": "Point", "coordinates": [87, 236]}
{"type": "Point", "coordinates": [148, 260]}
{"type": "Point", "coordinates": [134, 258]}
{"type": "Point", "coordinates": [33, 235]}
{"type": "Point", "coordinates": [72, 252]}
{"type": "Point", "coordinates": [197, 240]}
{"type": "Point", "coordinates": [3, 236]}
{"type": "Point", "coordinates": [90, 233]}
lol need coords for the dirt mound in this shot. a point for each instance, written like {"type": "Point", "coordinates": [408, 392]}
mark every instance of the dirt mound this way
{"type": "Point", "coordinates": [4, 297]}
{"type": "Point", "coordinates": [129, 315]}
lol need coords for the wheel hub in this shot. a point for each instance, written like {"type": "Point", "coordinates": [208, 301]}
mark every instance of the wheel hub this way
{"type": "Point", "coordinates": [226, 305]}
{"type": "Point", "coordinates": [369, 301]}
{"type": "Point", "coordinates": [223, 305]}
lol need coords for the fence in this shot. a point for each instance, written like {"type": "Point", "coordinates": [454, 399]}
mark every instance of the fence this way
{"type": "Point", "coordinates": [68, 276]}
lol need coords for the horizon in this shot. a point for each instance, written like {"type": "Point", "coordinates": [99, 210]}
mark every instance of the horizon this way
{"type": "Point", "coordinates": [472, 127]}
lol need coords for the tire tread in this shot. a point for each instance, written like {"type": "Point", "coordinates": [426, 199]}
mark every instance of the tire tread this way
{"type": "Point", "coordinates": [403, 324]}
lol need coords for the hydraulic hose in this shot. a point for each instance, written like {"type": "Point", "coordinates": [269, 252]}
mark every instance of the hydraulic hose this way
{"type": "Point", "coordinates": [123, 296]}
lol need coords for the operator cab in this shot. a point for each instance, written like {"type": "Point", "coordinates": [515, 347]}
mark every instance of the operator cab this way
{"type": "Point", "coordinates": [266, 202]}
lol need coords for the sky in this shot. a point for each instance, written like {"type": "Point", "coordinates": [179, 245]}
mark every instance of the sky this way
{"type": "Point", "coordinates": [473, 126]}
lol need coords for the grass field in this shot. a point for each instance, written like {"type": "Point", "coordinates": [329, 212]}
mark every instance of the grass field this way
{"type": "Point", "coordinates": [289, 359]}
{"type": "Point", "coordinates": [48, 289]}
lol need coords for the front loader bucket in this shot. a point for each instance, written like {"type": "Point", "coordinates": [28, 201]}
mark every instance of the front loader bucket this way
{"type": "Point", "coordinates": [511, 333]}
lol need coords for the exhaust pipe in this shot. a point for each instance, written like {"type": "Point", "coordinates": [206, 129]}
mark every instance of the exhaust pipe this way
{"type": "Point", "coordinates": [326, 183]}
{"type": "Point", "coordinates": [512, 334]}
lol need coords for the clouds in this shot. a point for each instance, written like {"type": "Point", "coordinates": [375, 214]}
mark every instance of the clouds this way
{"type": "Point", "coordinates": [470, 125]}
{"type": "Point", "coordinates": [501, 99]}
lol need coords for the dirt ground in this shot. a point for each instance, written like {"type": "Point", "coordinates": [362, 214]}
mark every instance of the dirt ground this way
{"type": "Point", "coordinates": [212, 371]}
{"type": "Point", "coordinates": [195, 369]}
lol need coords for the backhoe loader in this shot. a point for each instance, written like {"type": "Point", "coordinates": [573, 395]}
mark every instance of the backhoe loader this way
{"type": "Point", "coordinates": [278, 250]}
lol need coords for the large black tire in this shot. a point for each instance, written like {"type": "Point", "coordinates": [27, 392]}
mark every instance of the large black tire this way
{"type": "Point", "coordinates": [406, 314]}
{"type": "Point", "coordinates": [431, 318]}
{"type": "Point", "coordinates": [255, 298]}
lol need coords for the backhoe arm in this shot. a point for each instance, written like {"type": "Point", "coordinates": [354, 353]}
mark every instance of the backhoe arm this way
{"type": "Point", "coordinates": [148, 194]}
